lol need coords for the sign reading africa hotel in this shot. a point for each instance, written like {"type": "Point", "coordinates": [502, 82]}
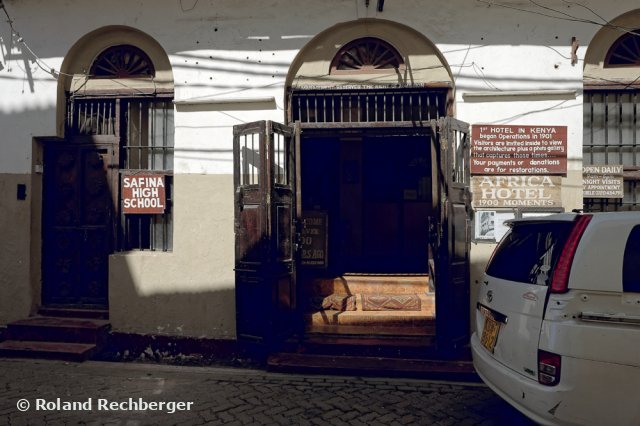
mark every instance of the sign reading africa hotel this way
{"type": "Point", "coordinates": [143, 194]}
{"type": "Point", "coordinates": [518, 150]}
{"type": "Point", "coordinates": [516, 191]}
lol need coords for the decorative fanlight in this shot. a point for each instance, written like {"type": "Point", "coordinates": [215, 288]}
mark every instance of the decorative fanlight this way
{"type": "Point", "coordinates": [625, 51]}
{"type": "Point", "coordinates": [122, 61]}
{"type": "Point", "coordinates": [367, 55]}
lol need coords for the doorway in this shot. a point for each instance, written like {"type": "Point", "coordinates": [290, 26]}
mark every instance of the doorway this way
{"type": "Point", "coordinates": [295, 274]}
{"type": "Point", "coordinates": [78, 222]}
{"type": "Point", "coordinates": [374, 189]}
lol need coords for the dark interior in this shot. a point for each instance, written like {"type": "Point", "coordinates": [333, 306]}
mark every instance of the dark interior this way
{"type": "Point", "coordinates": [376, 191]}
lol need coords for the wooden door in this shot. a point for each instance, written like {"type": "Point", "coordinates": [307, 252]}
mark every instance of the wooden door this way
{"type": "Point", "coordinates": [266, 211]}
{"type": "Point", "coordinates": [78, 221]}
{"type": "Point", "coordinates": [450, 233]}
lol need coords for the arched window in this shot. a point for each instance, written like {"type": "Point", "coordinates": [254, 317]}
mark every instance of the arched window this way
{"type": "Point", "coordinates": [124, 108]}
{"type": "Point", "coordinates": [625, 51]}
{"type": "Point", "coordinates": [366, 55]}
{"type": "Point", "coordinates": [123, 61]}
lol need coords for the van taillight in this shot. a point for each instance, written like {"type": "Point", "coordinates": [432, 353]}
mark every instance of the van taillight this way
{"type": "Point", "coordinates": [560, 281]}
{"type": "Point", "coordinates": [548, 368]}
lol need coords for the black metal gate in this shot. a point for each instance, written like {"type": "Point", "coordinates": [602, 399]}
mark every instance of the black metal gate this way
{"type": "Point", "coordinates": [612, 136]}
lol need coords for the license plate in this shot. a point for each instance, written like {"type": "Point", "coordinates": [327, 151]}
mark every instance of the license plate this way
{"type": "Point", "coordinates": [490, 333]}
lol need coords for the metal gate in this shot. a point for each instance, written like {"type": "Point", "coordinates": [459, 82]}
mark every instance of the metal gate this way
{"type": "Point", "coordinates": [612, 136]}
{"type": "Point", "coordinates": [368, 106]}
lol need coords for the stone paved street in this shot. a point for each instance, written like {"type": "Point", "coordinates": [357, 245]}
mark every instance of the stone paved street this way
{"type": "Point", "coordinates": [233, 396]}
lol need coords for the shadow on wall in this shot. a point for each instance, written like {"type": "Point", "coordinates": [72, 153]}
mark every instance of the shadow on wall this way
{"type": "Point", "coordinates": [19, 215]}
{"type": "Point", "coordinates": [144, 300]}
{"type": "Point", "coordinates": [177, 318]}
{"type": "Point", "coordinates": [187, 293]}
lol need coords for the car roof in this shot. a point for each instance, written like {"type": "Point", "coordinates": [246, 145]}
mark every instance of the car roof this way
{"type": "Point", "coordinates": [558, 217]}
{"type": "Point", "coordinates": [569, 217]}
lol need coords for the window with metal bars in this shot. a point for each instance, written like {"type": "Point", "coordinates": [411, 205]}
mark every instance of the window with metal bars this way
{"type": "Point", "coordinates": [612, 136]}
{"type": "Point", "coordinates": [144, 130]}
{"type": "Point", "coordinates": [91, 117]}
{"type": "Point", "coordinates": [148, 144]}
{"type": "Point", "coordinates": [368, 106]}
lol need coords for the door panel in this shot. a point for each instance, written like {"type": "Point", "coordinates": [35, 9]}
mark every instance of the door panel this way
{"type": "Point", "coordinates": [266, 208]}
{"type": "Point", "coordinates": [450, 236]}
{"type": "Point", "coordinates": [249, 233]}
{"type": "Point", "coordinates": [78, 222]}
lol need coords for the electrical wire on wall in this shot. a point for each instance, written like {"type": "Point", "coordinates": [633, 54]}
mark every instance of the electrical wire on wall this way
{"type": "Point", "coordinates": [558, 14]}
{"type": "Point", "coordinates": [546, 11]}
{"type": "Point", "coordinates": [41, 64]}
{"type": "Point", "coordinates": [15, 35]}
{"type": "Point", "coordinates": [553, 13]}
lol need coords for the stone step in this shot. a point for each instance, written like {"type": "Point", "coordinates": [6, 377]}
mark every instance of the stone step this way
{"type": "Point", "coordinates": [52, 311]}
{"type": "Point", "coordinates": [363, 341]}
{"type": "Point", "coordinates": [368, 330]}
{"type": "Point", "coordinates": [55, 329]}
{"type": "Point", "coordinates": [371, 318]}
{"type": "Point", "coordinates": [49, 350]}
{"type": "Point", "coordinates": [461, 370]}
{"type": "Point", "coordinates": [372, 284]}
{"type": "Point", "coordinates": [427, 303]}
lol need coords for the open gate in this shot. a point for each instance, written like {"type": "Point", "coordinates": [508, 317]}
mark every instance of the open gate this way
{"type": "Point", "coordinates": [267, 209]}
{"type": "Point", "coordinates": [266, 212]}
{"type": "Point", "coordinates": [450, 238]}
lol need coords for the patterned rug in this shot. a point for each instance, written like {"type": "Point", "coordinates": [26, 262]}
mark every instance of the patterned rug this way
{"type": "Point", "coordinates": [390, 302]}
{"type": "Point", "coordinates": [335, 302]}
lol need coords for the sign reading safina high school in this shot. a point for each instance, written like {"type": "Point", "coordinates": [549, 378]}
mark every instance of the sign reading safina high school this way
{"type": "Point", "coordinates": [518, 150]}
{"type": "Point", "coordinates": [143, 194]}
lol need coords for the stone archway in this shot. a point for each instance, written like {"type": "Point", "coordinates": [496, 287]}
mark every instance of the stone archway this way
{"type": "Point", "coordinates": [424, 63]}
{"type": "Point", "coordinates": [595, 70]}
{"type": "Point", "coordinates": [74, 72]}
{"type": "Point", "coordinates": [370, 164]}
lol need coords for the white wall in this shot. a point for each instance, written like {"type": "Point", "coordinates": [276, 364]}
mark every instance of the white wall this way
{"type": "Point", "coordinates": [226, 49]}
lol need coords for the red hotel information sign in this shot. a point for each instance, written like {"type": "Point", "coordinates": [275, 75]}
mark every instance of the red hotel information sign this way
{"type": "Point", "coordinates": [143, 194]}
{"type": "Point", "coordinates": [518, 150]}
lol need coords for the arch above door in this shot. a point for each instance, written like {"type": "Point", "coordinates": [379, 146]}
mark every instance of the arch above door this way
{"type": "Point", "coordinates": [423, 64]}
{"type": "Point", "coordinates": [598, 67]}
{"type": "Point", "coordinates": [75, 73]}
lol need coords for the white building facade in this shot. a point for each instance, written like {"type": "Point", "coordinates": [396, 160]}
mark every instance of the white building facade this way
{"type": "Point", "coordinates": [94, 94]}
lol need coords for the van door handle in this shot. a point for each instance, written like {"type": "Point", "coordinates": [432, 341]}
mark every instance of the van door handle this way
{"type": "Point", "coordinates": [616, 318]}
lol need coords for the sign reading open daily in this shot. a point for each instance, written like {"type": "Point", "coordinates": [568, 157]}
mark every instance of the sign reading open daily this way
{"type": "Point", "coordinates": [603, 181]}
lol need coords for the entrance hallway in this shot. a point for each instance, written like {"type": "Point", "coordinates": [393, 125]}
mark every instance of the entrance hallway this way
{"type": "Point", "coordinates": [371, 305]}
{"type": "Point", "coordinates": [376, 192]}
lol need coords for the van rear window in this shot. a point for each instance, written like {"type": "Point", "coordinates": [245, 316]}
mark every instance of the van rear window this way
{"type": "Point", "coordinates": [631, 263]}
{"type": "Point", "coordinates": [528, 253]}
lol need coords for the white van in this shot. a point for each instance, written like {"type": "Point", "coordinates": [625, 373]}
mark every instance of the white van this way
{"type": "Point", "coordinates": [558, 319]}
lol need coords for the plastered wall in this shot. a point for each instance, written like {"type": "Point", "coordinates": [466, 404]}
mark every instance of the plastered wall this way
{"type": "Point", "coordinates": [226, 51]}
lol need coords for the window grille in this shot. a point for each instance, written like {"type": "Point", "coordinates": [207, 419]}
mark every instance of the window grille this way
{"type": "Point", "coordinates": [368, 54]}
{"type": "Point", "coordinates": [145, 131]}
{"type": "Point", "coordinates": [122, 61]}
{"type": "Point", "coordinates": [91, 117]}
{"type": "Point", "coordinates": [625, 52]}
{"type": "Point", "coordinates": [368, 106]}
{"type": "Point", "coordinates": [149, 145]}
{"type": "Point", "coordinates": [612, 136]}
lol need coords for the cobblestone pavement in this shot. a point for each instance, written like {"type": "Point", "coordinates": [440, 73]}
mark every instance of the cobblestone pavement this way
{"type": "Point", "coordinates": [233, 396]}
